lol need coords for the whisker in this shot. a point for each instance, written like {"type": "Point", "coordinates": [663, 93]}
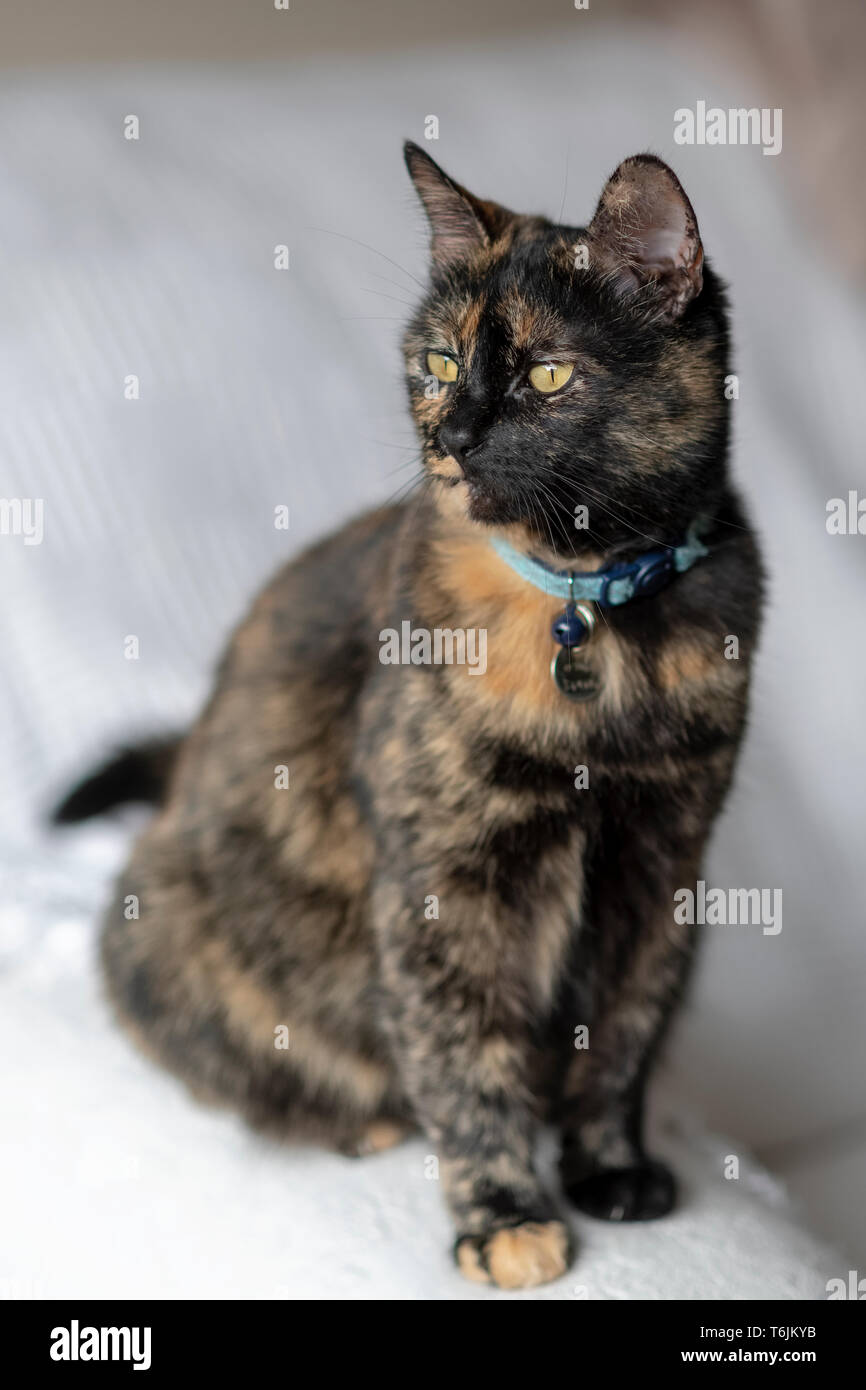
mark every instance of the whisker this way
{"type": "Point", "coordinates": [385, 443]}
{"type": "Point", "coordinates": [367, 247]}
{"type": "Point", "coordinates": [407, 463]}
{"type": "Point", "coordinates": [721, 521]}
{"type": "Point", "coordinates": [365, 289]}
{"type": "Point", "coordinates": [403, 491]}
{"type": "Point", "coordinates": [377, 275]}
{"type": "Point", "coordinates": [565, 189]}
{"type": "Point", "coordinates": [604, 503]}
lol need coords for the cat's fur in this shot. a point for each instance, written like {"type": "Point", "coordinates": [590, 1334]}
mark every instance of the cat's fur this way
{"type": "Point", "coordinates": [309, 907]}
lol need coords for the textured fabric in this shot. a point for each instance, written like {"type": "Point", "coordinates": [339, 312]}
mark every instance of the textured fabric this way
{"type": "Point", "coordinates": [262, 388]}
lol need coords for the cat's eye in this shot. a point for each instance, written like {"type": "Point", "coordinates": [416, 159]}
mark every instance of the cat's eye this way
{"type": "Point", "coordinates": [443, 367]}
{"type": "Point", "coordinates": [549, 376]}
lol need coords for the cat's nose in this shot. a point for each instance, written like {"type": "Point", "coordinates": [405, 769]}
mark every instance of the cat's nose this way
{"type": "Point", "coordinates": [460, 441]}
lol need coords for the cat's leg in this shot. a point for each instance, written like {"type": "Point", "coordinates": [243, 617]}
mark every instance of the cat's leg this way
{"type": "Point", "coordinates": [458, 996]}
{"type": "Point", "coordinates": [640, 963]}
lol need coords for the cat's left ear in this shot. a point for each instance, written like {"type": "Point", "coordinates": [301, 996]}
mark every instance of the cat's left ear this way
{"type": "Point", "coordinates": [460, 223]}
{"type": "Point", "coordinates": [645, 235]}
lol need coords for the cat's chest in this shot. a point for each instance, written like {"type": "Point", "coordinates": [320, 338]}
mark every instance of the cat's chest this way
{"type": "Point", "coordinates": [523, 679]}
{"type": "Point", "coordinates": [533, 681]}
{"type": "Point", "coordinates": [632, 706]}
{"type": "Point", "coordinates": [568, 704]}
{"type": "Point", "coordinates": [645, 678]}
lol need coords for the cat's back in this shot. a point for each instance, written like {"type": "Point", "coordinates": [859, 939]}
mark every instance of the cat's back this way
{"type": "Point", "coordinates": [290, 679]}
{"type": "Point", "coordinates": [323, 603]}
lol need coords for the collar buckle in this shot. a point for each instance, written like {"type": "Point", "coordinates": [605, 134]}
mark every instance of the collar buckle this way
{"type": "Point", "coordinates": [654, 572]}
{"type": "Point", "coordinates": [640, 578]}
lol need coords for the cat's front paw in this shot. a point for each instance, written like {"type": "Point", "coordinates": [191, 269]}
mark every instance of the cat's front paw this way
{"type": "Point", "coordinates": [640, 1193]}
{"type": "Point", "coordinates": [516, 1257]}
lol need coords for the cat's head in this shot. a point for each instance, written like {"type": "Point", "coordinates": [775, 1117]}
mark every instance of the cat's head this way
{"type": "Point", "coordinates": [556, 368]}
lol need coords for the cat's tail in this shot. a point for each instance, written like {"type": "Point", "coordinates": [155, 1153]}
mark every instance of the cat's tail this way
{"type": "Point", "coordinates": [139, 773]}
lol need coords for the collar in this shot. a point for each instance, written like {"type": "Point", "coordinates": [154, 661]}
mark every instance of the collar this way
{"type": "Point", "coordinates": [613, 584]}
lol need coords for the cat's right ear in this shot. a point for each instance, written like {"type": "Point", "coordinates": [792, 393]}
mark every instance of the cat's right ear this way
{"type": "Point", "coordinates": [645, 236]}
{"type": "Point", "coordinates": [460, 223]}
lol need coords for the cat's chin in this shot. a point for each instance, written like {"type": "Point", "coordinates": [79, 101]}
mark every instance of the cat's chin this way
{"type": "Point", "coordinates": [461, 501]}
{"type": "Point", "coordinates": [466, 500]}
{"type": "Point", "coordinates": [485, 508]}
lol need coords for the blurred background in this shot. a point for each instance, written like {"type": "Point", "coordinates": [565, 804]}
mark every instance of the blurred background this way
{"type": "Point", "coordinates": [163, 387]}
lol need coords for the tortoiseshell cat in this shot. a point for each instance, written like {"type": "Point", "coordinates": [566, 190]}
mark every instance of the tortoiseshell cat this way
{"type": "Point", "coordinates": [570, 367]}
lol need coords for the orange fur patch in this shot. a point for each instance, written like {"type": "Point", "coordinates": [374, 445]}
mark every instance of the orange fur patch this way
{"type": "Point", "coordinates": [486, 593]}
{"type": "Point", "coordinates": [683, 664]}
{"type": "Point", "coordinates": [524, 1256]}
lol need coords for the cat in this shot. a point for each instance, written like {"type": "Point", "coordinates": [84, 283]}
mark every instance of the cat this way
{"type": "Point", "coordinates": [459, 911]}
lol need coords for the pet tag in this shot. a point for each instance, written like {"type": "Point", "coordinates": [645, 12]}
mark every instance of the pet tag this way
{"type": "Point", "coordinates": [574, 675]}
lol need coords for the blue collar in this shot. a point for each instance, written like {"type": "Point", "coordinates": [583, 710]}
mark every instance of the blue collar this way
{"type": "Point", "coordinates": [615, 583]}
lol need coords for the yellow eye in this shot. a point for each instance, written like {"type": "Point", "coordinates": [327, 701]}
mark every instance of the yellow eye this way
{"type": "Point", "coordinates": [549, 376]}
{"type": "Point", "coordinates": [443, 368]}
